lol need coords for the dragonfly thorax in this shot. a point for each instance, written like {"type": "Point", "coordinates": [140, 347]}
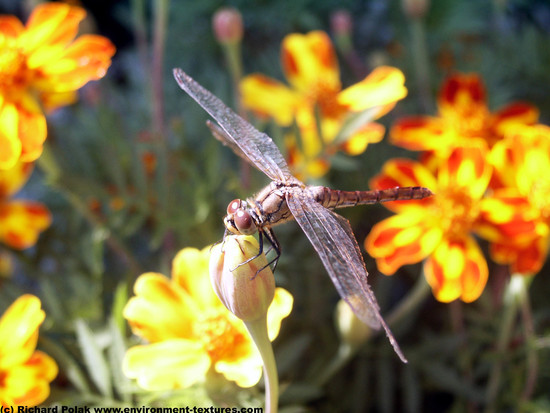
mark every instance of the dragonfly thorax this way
{"type": "Point", "coordinates": [239, 219]}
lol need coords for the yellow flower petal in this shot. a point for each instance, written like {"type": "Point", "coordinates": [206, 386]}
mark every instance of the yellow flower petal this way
{"type": "Point", "coordinates": [11, 180]}
{"type": "Point", "coordinates": [280, 308]}
{"type": "Point", "coordinates": [309, 62]}
{"type": "Point", "coordinates": [186, 266]}
{"type": "Point", "coordinates": [19, 330]}
{"type": "Point", "coordinates": [384, 85]}
{"type": "Point", "coordinates": [457, 270]}
{"type": "Point", "coordinates": [269, 97]}
{"type": "Point", "coordinates": [170, 364]}
{"type": "Point", "coordinates": [160, 310]}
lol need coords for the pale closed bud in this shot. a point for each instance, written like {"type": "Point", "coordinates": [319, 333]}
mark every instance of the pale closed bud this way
{"type": "Point", "coordinates": [341, 22]}
{"type": "Point", "coordinates": [244, 291]}
{"type": "Point", "coordinates": [415, 9]}
{"type": "Point", "coordinates": [352, 331]}
{"type": "Point", "coordinates": [228, 25]}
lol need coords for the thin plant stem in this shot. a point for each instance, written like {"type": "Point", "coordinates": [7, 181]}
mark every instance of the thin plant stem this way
{"type": "Point", "coordinates": [258, 332]}
{"type": "Point", "coordinates": [421, 64]}
{"type": "Point", "coordinates": [412, 301]}
{"type": "Point", "coordinates": [529, 333]}
{"type": "Point", "coordinates": [159, 36]}
{"type": "Point", "coordinates": [511, 303]}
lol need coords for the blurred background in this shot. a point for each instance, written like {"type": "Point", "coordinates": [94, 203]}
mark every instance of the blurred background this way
{"type": "Point", "coordinates": [131, 175]}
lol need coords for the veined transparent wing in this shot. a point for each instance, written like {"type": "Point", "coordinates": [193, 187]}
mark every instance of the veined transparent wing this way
{"type": "Point", "coordinates": [258, 148]}
{"type": "Point", "coordinates": [332, 237]}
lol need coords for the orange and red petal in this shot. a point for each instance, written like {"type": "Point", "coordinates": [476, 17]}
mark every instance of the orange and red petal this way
{"type": "Point", "coordinates": [50, 25]}
{"type": "Point", "coordinates": [28, 384]}
{"type": "Point", "coordinates": [457, 269]}
{"type": "Point", "coordinates": [268, 97]}
{"type": "Point", "coordinates": [309, 60]}
{"type": "Point", "coordinates": [513, 114]}
{"type": "Point", "coordinates": [467, 167]}
{"type": "Point", "coordinates": [11, 180]}
{"type": "Point", "coordinates": [508, 217]}
{"type": "Point", "coordinates": [86, 59]}
{"type": "Point", "coordinates": [21, 223]}
{"type": "Point", "coordinates": [385, 85]}
{"type": "Point", "coordinates": [405, 238]}
{"type": "Point", "coordinates": [32, 129]}
{"type": "Point", "coordinates": [461, 90]}
{"type": "Point", "coordinates": [421, 133]}
{"type": "Point", "coordinates": [404, 172]}
{"type": "Point", "coordinates": [526, 259]}
{"type": "Point", "coordinates": [10, 27]}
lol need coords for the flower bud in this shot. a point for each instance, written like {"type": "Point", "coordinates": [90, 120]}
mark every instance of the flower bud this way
{"type": "Point", "coordinates": [244, 291]}
{"type": "Point", "coordinates": [228, 25]}
{"type": "Point", "coordinates": [341, 26]}
{"type": "Point", "coordinates": [341, 22]}
{"type": "Point", "coordinates": [415, 9]}
{"type": "Point", "coordinates": [352, 331]}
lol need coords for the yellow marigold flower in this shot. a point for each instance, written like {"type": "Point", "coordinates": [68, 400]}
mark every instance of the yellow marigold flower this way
{"type": "Point", "coordinates": [438, 229]}
{"type": "Point", "coordinates": [517, 218]}
{"type": "Point", "coordinates": [25, 373]}
{"type": "Point", "coordinates": [315, 91]}
{"type": "Point", "coordinates": [463, 115]}
{"type": "Point", "coordinates": [42, 66]}
{"type": "Point", "coordinates": [21, 221]}
{"type": "Point", "coordinates": [189, 330]}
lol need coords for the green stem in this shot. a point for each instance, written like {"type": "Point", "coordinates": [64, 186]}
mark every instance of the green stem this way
{"type": "Point", "coordinates": [421, 64]}
{"type": "Point", "coordinates": [345, 353]}
{"type": "Point", "coordinates": [159, 35]}
{"type": "Point", "coordinates": [512, 297]}
{"type": "Point", "coordinates": [529, 332]}
{"type": "Point", "coordinates": [258, 332]}
{"type": "Point", "coordinates": [413, 300]}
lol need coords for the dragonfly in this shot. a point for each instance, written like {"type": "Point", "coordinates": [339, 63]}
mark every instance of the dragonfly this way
{"type": "Point", "coordinates": [286, 198]}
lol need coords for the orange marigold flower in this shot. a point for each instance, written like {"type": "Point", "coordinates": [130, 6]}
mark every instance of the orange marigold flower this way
{"type": "Point", "coordinates": [42, 66]}
{"type": "Point", "coordinates": [21, 221]}
{"type": "Point", "coordinates": [438, 229]}
{"type": "Point", "coordinates": [190, 331]}
{"type": "Point", "coordinates": [517, 218]}
{"type": "Point", "coordinates": [463, 115]}
{"type": "Point", "coordinates": [25, 373]}
{"type": "Point", "coordinates": [315, 99]}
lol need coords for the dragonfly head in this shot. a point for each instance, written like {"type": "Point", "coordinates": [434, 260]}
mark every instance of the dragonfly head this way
{"type": "Point", "coordinates": [239, 219]}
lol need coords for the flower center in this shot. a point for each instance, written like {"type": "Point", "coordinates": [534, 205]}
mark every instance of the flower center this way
{"type": "Point", "coordinates": [325, 97]}
{"type": "Point", "coordinates": [219, 336]}
{"type": "Point", "coordinates": [455, 210]}
{"type": "Point", "coordinates": [470, 120]}
{"type": "Point", "coordinates": [14, 74]}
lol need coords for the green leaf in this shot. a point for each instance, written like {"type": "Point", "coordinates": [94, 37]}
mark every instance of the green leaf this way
{"type": "Point", "coordinates": [97, 366]}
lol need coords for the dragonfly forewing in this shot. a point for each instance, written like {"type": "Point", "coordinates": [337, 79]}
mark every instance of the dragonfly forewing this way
{"type": "Point", "coordinates": [332, 237]}
{"type": "Point", "coordinates": [258, 147]}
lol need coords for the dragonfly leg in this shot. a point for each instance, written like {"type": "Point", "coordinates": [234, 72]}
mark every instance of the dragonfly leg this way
{"type": "Point", "coordinates": [260, 250]}
{"type": "Point", "coordinates": [270, 235]}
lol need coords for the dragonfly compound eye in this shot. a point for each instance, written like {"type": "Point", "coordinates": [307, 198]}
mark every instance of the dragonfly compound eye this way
{"type": "Point", "coordinates": [244, 223]}
{"type": "Point", "coordinates": [234, 206]}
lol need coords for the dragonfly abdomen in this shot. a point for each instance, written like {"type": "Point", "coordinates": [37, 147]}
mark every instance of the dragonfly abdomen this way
{"type": "Point", "coordinates": [334, 198]}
